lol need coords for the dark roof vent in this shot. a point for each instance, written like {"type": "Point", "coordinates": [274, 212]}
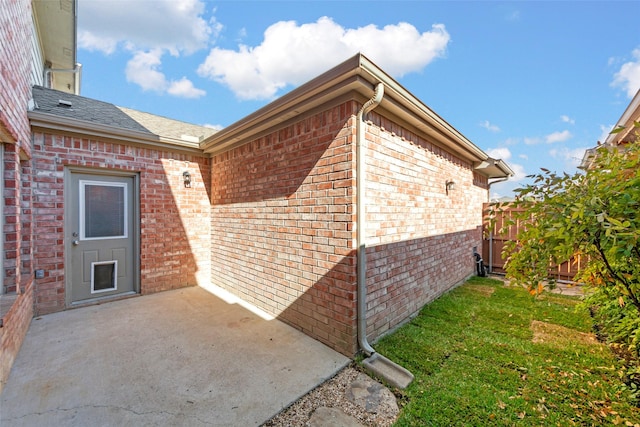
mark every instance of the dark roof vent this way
{"type": "Point", "coordinates": [63, 103]}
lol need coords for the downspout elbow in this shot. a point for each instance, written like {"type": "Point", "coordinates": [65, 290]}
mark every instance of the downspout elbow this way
{"type": "Point", "coordinates": [361, 255]}
{"type": "Point", "coordinates": [506, 178]}
{"type": "Point", "coordinates": [372, 103]}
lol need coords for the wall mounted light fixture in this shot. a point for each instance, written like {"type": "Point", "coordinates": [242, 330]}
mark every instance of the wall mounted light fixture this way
{"type": "Point", "coordinates": [450, 186]}
{"type": "Point", "coordinates": [186, 177]}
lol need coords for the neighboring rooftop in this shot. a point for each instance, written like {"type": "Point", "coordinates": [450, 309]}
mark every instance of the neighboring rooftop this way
{"type": "Point", "coordinates": [626, 122]}
{"type": "Point", "coordinates": [168, 127]}
{"type": "Point", "coordinates": [626, 132]}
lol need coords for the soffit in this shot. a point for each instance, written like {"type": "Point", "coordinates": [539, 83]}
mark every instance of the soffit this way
{"type": "Point", "coordinates": [56, 25]}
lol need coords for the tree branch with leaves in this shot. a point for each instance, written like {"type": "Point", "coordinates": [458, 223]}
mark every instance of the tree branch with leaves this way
{"type": "Point", "coordinates": [592, 213]}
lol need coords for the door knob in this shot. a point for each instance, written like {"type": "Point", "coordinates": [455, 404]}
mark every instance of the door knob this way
{"type": "Point", "coordinates": [75, 243]}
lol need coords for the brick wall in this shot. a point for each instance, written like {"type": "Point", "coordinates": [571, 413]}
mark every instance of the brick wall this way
{"type": "Point", "coordinates": [15, 325]}
{"type": "Point", "coordinates": [282, 225]}
{"type": "Point", "coordinates": [174, 222]}
{"type": "Point", "coordinates": [419, 238]}
{"type": "Point", "coordinates": [15, 92]}
{"type": "Point", "coordinates": [15, 70]}
{"type": "Point", "coordinates": [17, 302]}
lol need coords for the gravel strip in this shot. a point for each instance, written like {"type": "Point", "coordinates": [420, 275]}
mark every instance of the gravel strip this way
{"type": "Point", "coordinates": [331, 394]}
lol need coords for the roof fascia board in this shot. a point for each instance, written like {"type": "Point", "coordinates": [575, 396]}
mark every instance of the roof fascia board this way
{"type": "Point", "coordinates": [505, 168]}
{"type": "Point", "coordinates": [405, 99]}
{"type": "Point", "coordinates": [290, 104]}
{"type": "Point", "coordinates": [39, 120]}
{"type": "Point", "coordinates": [359, 74]}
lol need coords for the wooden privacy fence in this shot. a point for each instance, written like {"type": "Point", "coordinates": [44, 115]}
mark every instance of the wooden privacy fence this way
{"type": "Point", "coordinates": [494, 243]}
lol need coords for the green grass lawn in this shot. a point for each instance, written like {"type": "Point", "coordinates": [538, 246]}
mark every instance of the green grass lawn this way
{"type": "Point", "coordinates": [486, 354]}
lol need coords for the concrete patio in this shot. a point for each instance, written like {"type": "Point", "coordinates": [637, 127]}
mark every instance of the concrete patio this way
{"type": "Point", "coordinates": [184, 357]}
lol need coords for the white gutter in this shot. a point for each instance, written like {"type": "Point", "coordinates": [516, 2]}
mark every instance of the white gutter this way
{"type": "Point", "coordinates": [39, 120]}
{"type": "Point", "coordinates": [361, 215]}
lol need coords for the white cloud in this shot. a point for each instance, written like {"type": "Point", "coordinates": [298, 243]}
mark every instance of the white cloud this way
{"type": "Point", "coordinates": [499, 153]}
{"type": "Point", "coordinates": [291, 54]}
{"type": "Point", "coordinates": [490, 127]}
{"type": "Point", "coordinates": [558, 137]}
{"type": "Point", "coordinates": [144, 70]}
{"type": "Point", "coordinates": [211, 126]}
{"type": "Point", "coordinates": [174, 25]}
{"type": "Point", "coordinates": [184, 88]}
{"type": "Point", "coordinates": [628, 77]}
{"type": "Point", "coordinates": [92, 42]}
{"type": "Point", "coordinates": [523, 156]}
{"type": "Point", "coordinates": [551, 138]}
{"type": "Point", "coordinates": [570, 156]}
{"type": "Point", "coordinates": [147, 30]}
{"type": "Point", "coordinates": [518, 172]}
{"type": "Point", "coordinates": [532, 140]}
{"type": "Point", "coordinates": [567, 119]}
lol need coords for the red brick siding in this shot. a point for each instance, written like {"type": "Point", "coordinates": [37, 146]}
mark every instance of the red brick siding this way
{"type": "Point", "coordinates": [282, 225]}
{"type": "Point", "coordinates": [14, 245]}
{"type": "Point", "coordinates": [17, 258]}
{"type": "Point", "coordinates": [12, 333]}
{"type": "Point", "coordinates": [15, 70]}
{"type": "Point", "coordinates": [174, 222]}
{"type": "Point", "coordinates": [419, 238]}
{"type": "Point", "coordinates": [15, 92]}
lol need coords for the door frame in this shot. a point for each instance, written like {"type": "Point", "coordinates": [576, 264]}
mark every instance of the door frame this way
{"type": "Point", "coordinates": [68, 227]}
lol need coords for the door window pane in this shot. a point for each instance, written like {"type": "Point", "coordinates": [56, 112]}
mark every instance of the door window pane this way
{"type": "Point", "coordinates": [103, 209]}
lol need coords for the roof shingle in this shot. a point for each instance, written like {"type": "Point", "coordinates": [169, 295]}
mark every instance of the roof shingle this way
{"type": "Point", "coordinates": [90, 110]}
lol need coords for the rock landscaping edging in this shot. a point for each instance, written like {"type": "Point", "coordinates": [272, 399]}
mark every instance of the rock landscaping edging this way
{"type": "Point", "coordinates": [350, 399]}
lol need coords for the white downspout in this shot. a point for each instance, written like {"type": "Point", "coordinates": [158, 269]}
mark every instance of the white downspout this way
{"type": "Point", "coordinates": [361, 256]}
{"type": "Point", "coordinates": [495, 182]}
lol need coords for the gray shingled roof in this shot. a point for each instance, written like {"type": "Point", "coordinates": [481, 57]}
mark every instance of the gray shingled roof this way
{"type": "Point", "coordinates": [91, 110]}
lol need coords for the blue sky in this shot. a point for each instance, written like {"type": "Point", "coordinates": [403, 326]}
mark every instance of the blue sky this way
{"type": "Point", "coordinates": [533, 83]}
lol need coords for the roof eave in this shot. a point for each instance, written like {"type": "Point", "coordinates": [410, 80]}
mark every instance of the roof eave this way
{"type": "Point", "coordinates": [40, 120]}
{"type": "Point", "coordinates": [357, 74]}
{"type": "Point", "coordinates": [404, 104]}
{"type": "Point", "coordinates": [494, 168]}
